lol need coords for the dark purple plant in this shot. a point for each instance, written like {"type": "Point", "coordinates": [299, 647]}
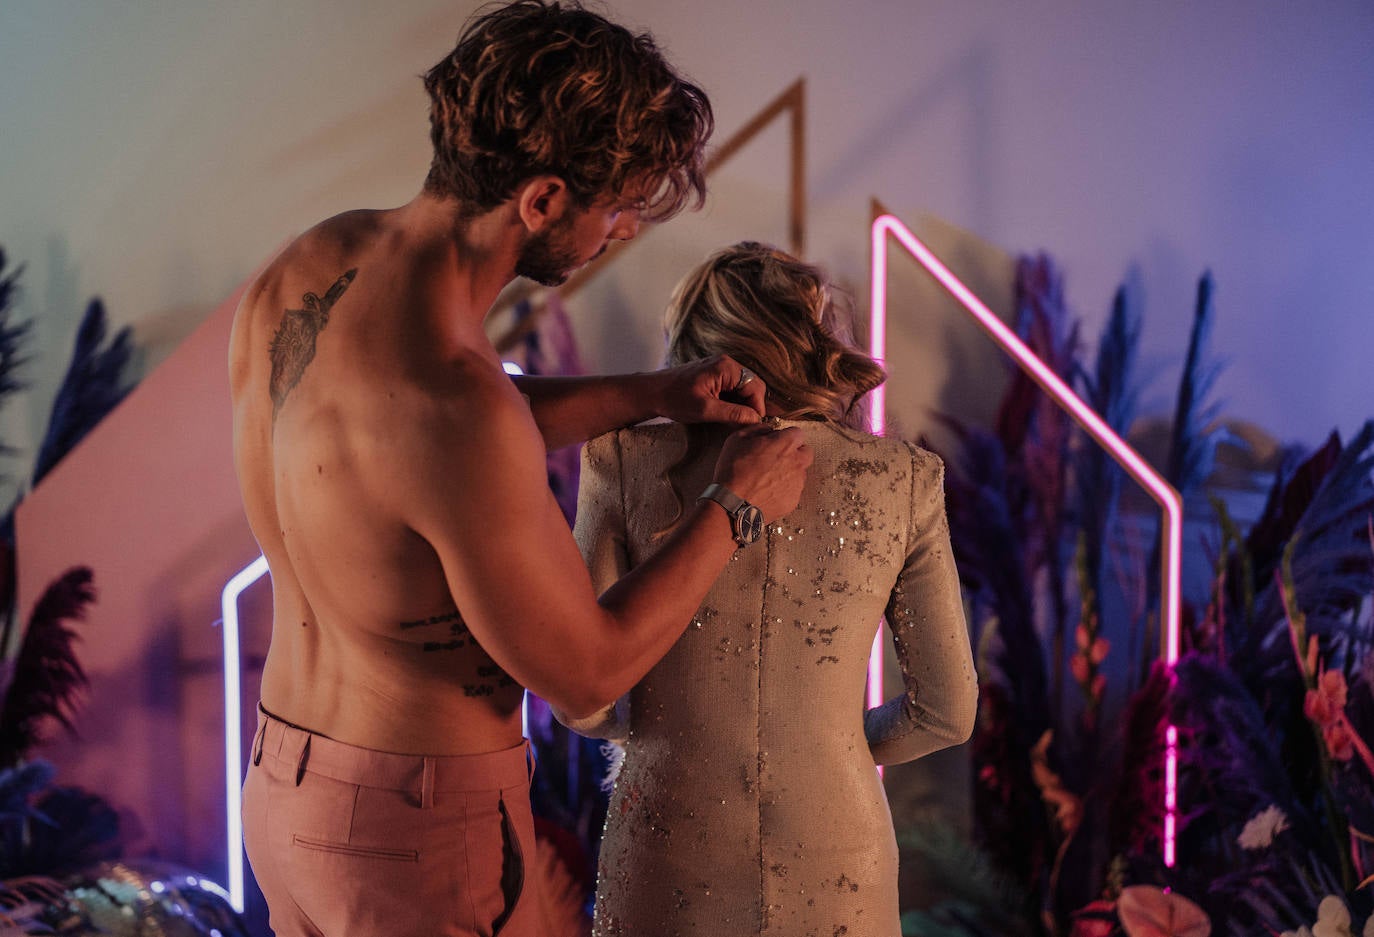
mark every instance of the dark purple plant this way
{"type": "Point", "coordinates": [45, 679]}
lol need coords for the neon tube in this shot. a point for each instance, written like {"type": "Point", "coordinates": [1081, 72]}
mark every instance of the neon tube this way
{"type": "Point", "coordinates": [1169, 501]}
{"type": "Point", "coordinates": [233, 728]}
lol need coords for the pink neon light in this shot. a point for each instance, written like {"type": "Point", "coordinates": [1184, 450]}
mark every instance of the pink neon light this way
{"type": "Point", "coordinates": [1165, 496]}
{"type": "Point", "coordinates": [877, 421]}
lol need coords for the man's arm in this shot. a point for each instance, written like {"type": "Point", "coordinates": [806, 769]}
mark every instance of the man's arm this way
{"type": "Point", "coordinates": [471, 480]}
{"type": "Point", "coordinates": [570, 410]}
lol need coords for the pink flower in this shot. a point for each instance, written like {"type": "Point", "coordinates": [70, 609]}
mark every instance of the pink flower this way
{"type": "Point", "coordinates": [1325, 704]}
{"type": "Point", "coordinates": [1147, 911]}
{"type": "Point", "coordinates": [1338, 742]}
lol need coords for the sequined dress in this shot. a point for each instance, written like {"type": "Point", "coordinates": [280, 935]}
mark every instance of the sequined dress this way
{"type": "Point", "coordinates": [748, 801]}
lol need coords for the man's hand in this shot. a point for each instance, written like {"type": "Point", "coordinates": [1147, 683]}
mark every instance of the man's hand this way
{"type": "Point", "coordinates": [712, 390]}
{"type": "Point", "coordinates": [765, 467]}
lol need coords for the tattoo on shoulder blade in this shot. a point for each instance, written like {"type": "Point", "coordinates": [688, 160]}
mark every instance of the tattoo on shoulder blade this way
{"type": "Point", "coordinates": [293, 347]}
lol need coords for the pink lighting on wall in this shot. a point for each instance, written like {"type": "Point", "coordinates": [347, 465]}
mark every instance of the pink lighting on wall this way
{"type": "Point", "coordinates": [1171, 532]}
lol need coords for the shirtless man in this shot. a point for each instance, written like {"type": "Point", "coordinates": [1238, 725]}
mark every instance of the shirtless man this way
{"type": "Point", "coordinates": [394, 477]}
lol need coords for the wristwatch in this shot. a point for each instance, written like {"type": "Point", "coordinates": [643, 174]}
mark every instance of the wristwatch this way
{"type": "Point", "coordinates": [746, 521]}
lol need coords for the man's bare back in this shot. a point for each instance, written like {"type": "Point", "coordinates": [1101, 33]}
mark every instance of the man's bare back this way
{"type": "Point", "coordinates": [327, 375]}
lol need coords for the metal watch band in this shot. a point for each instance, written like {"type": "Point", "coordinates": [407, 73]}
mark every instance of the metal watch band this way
{"type": "Point", "coordinates": [746, 520]}
{"type": "Point", "coordinates": [723, 496]}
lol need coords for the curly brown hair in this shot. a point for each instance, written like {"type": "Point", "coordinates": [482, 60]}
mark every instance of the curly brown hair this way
{"type": "Point", "coordinates": [546, 86]}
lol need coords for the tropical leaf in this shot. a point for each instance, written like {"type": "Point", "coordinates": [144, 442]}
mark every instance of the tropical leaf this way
{"type": "Point", "coordinates": [976, 896]}
{"type": "Point", "coordinates": [987, 543]}
{"type": "Point", "coordinates": [1112, 392]}
{"type": "Point", "coordinates": [71, 829]}
{"type": "Point", "coordinates": [1326, 511]}
{"type": "Point", "coordinates": [1192, 439]}
{"type": "Point", "coordinates": [1135, 801]}
{"type": "Point", "coordinates": [1229, 756]}
{"type": "Point", "coordinates": [47, 676]}
{"type": "Point", "coordinates": [93, 386]}
{"type": "Point", "coordinates": [13, 335]}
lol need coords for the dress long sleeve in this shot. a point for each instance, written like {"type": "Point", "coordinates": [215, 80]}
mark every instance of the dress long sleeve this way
{"type": "Point", "coordinates": [600, 533]}
{"type": "Point", "coordinates": [926, 614]}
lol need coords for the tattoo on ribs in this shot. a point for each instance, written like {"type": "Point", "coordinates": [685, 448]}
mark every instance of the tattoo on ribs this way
{"type": "Point", "coordinates": [293, 347]}
{"type": "Point", "coordinates": [490, 675]}
{"type": "Point", "coordinates": [459, 636]}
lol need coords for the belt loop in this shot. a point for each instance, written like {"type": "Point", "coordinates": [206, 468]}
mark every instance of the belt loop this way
{"type": "Point", "coordinates": [302, 758]}
{"type": "Point", "coordinates": [258, 739]}
{"type": "Point", "coordinates": [427, 784]}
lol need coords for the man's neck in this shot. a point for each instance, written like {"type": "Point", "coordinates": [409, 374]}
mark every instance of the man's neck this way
{"type": "Point", "coordinates": [478, 251]}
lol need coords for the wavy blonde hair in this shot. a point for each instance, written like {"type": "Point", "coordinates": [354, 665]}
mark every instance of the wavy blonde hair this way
{"type": "Point", "coordinates": [781, 318]}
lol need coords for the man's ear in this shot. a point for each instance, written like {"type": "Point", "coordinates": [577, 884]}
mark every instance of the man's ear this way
{"type": "Point", "coordinates": [541, 201]}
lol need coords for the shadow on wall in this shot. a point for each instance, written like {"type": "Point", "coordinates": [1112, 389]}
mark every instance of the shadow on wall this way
{"type": "Point", "coordinates": [964, 86]}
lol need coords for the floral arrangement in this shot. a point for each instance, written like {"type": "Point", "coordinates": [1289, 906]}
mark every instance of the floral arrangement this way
{"type": "Point", "coordinates": [1272, 699]}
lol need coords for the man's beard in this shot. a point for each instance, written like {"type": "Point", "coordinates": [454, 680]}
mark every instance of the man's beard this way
{"type": "Point", "coordinates": [548, 258]}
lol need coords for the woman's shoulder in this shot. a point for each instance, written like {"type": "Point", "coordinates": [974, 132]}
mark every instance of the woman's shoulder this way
{"type": "Point", "coordinates": [635, 442]}
{"type": "Point", "coordinates": [892, 449]}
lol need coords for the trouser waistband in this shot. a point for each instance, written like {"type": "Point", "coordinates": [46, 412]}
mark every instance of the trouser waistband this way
{"type": "Point", "coordinates": [422, 774]}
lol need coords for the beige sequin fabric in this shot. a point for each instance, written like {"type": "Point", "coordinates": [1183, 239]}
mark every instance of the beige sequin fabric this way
{"type": "Point", "coordinates": [748, 801]}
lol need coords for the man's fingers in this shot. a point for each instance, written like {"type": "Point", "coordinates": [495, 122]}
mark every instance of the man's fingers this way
{"type": "Point", "coordinates": [741, 383]}
{"type": "Point", "coordinates": [721, 411]}
{"type": "Point", "coordinates": [752, 393]}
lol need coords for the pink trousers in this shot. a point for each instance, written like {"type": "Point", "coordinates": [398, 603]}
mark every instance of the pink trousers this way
{"type": "Point", "coordinates": [347, 841]}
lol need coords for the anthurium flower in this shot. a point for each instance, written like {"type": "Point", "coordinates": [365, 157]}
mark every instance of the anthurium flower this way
{"type": "Point", "coordinates": [1147, 911]}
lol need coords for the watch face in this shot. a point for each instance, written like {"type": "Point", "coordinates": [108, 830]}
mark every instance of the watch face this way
{"type": "Point", "coordinates": [748, 524]}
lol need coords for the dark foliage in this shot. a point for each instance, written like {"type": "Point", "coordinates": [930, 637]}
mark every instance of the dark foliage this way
{"type": "Point", "coordinates": [47, 676]}
{"type": "Point", "coordinates": [94, 385]}
{"type": "Point", "coordinates": [13, 335]}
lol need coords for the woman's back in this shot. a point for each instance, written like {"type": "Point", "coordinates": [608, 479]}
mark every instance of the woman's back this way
{"type": "Point", "coordinates": [748, 802]}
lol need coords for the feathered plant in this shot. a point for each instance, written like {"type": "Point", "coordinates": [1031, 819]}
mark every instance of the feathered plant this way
{"type": "Point", "coordinates": [45, 678]}
{"type": "Point", "coordinates": [94, 385]}
{"type": "Point", "coordinates": [1075, 817]}
{"type": "Point", "coordinates": [13, 335]}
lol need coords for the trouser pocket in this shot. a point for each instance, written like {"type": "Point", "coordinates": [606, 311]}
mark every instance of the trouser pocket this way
{"type": "Point", "coordinates": [512, 867]}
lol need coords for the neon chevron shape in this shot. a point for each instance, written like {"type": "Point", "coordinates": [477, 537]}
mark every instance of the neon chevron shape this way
{"type": "Point", "coordinates": [1169, 501]}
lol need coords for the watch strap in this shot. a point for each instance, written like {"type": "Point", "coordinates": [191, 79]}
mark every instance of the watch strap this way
{"type": "Point", "coordinates": [723, 496]}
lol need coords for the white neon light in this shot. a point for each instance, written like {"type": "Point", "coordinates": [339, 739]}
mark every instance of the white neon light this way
{"type": "Point", "coordinates": [233, 728]}
{"type": "Point", "coordinates": [1169, 501]}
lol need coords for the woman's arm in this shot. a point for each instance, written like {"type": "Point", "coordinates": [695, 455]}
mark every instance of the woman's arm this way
{"type": "Point", "coordinates": [601, 535]}
{"type": "Point", "coordinates": [926, 613]}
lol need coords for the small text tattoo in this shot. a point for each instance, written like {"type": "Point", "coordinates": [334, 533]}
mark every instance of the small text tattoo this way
{"type": "Point", "coordinates": [293, 347]}
{"type": "Point", "coordinates": [458, 635]}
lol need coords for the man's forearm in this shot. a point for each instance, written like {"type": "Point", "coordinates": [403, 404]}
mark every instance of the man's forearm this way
{"type": "Point", "coordinates": [571, 410]}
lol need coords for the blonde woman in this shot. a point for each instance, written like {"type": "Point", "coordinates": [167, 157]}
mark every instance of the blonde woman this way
{"type": "Point", "coordinates": [748, 801]}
